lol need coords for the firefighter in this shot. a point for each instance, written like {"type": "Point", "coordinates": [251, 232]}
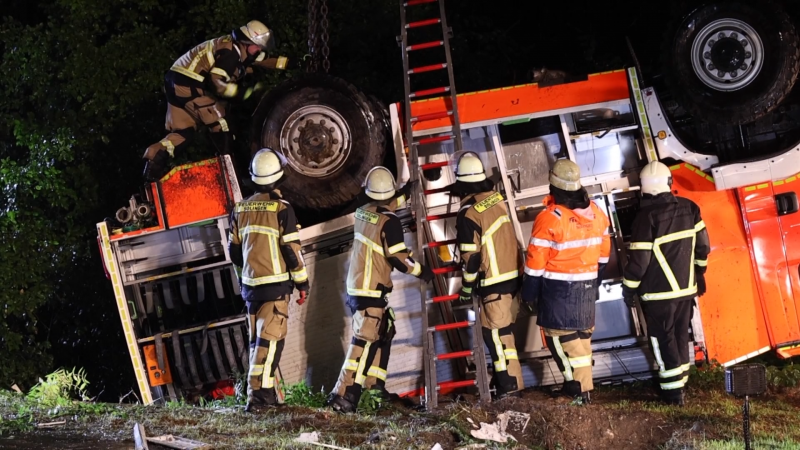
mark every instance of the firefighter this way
{"type": "Point", "coordinates": [200, 84]}
{"type": "Point", "coordinates": [567, 252]}
{"type": "Point", "coordinates": [264, 246]}
{"type": "Point", "coordinates": [491, 261]}
{"type": "Point", "coordinates": [667, 262]}
{"type": "Point", "coordinates": [378, 248]}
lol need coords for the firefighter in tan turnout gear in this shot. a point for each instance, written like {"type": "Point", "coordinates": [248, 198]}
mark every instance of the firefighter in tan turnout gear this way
{"type": "Point", "coordinates": [265, 246]}
{"type": "Point", "coordinates": [567, 252]}
{"type": "Point", "coordinates": [491, 261]}
{"type": "Point", "coordinates": [666, 268]}
{"type": "Point", "coordinates": [200, 84]}
{"type": "Point", "coordinates": [378, 248]}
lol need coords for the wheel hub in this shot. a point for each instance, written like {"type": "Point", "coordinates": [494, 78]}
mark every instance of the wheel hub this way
{"type": "Point", "coordinates": [316, 141]}
{"type": "Point", "coordinates": [727, 54]}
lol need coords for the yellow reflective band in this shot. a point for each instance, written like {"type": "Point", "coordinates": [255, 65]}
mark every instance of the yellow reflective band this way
{"type": "Point", "coordinates": [468, 247]}
{"type": "Point", "coordinates": [500, 364]}
{"type": "Point", "coordinates": [274, 251]}
{"type": "Point", "coordinates": [511, 354]}
{"type": "Point", "coordinates": [369, 243]}
{"type": "Point", "coordinates": [300, 276]}
{"type": "Point", "coordinates": [500, 278]}
{"type": "Point", "coordinates": [364, 293]}
{"type": "Point", "coordinates": [362, 363]}
{"type": "Point", "coordinates": [269, 382]}
{"type": "Point", "coordinates": [265, 280]}
{"type": "Point", "coordinates": [467, 290]}
{"type": "Point", "coordinates": [494, 227]}
{"type": "Point", "coordinates": [487, 241]}
{"type": "Point", "coordinates": [258, 229]}
{"type": "Point", "coordinates": [417, 270]}
{"type": "Point", "coordinates": [367, 271]}
{"type": "Point", "coordinates": [255, 371]}
{"type": "Point", "coordinates": [581, 361]}
{"type": "Point", "coordinates": [273, 346]}
{"type": "Point", "coordinates": [670, 295]}
{"type": "Point", "coordinates": [470, 277]}
{"type": "Point", "coordinates": [281, 64]}
{"type": "Point", "coordinates": [564, 360]}
{"type": "Point", "coordinates": [686, 367]}
{"type": "Point", "coordinates": [238, 270]}
{"type": "Point", "coordinates": [291, 237]}
{"type": "Point", "coordinates": [671, 372]}
{"type": "Point", "coordinates": [400, 201]}
{"type": "Point", "coordinates": [657, 354]}
{"type": "Point", "coordinates": [701, 262]}
{"type": "Point", "coordinates": [641, 246]}
{"type": "Point", "coordinates": [169, 146]}
{"type": "Point", "coordinates": [699, 226]}
{"type": "Point", "coordinates": [220, 72]}
{"type": "Point", "coordinates": [397, 248]}
{"type": "Point", "coordinates": [188, 73]}
{"type": "Point", "coordinates": [662, 260]}
{"type": "Point", "coordinates": [675, 384]}
{"type": "Point", "coordinates": [377, 372]}
{"type": "Point", "coordinates": [631, 284]}
{"type": "Point", "coordinates": [223, 124]}
{"type": "Point", "coordinates": [350, 364]}
{"type": "Point", "coordinates": [230, 90]}
{"type": "Point", "coordinates": [247, 93]}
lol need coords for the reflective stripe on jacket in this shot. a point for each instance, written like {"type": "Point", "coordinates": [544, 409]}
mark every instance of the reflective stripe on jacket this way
{"type": "Point", "coordinates": [487, 244]}
{"type": "Point", "coordinates": [564, 252]}
{"type": "Point", "coordinates": [669, 244]}
{"type": "Point", "coordinates": [378, 247]}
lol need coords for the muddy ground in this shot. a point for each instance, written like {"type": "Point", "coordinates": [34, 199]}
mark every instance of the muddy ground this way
{"type": "Point", "coordinates": [625, 417]}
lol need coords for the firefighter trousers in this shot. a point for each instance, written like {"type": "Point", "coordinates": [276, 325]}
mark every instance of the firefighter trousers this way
{"type": "Point", "coordinates": [267, 325]}
{"type": "Point", "coordinates": [368, 356]}
{"type": "Point", "coordinates": [572, 351]}
{"type": "Point", "coordinates": [668, 327]}
{"type": "Point", "coordinates": [187, 108]}
{"type": "Point", "coordinates": [498, 314]}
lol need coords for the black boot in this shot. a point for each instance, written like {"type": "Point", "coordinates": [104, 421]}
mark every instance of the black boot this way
{"type": "Point", "coordinates": [504, 385]}
{"type": "Point", "coordinates": [156, 168]}
{"type": "Point", "coordinates": [260, 399]}
{"type": "Point", "coordinates": [673, 397]}
{"type": "Point", "coordinates": [347, 403]}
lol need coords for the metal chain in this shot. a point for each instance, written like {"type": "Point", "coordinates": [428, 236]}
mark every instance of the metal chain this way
{"type": "Point", "coordinates": [325, 51]}
{"type": "Point", "coordinates": [313, 37]}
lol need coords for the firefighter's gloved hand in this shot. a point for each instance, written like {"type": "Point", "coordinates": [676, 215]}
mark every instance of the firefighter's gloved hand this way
{"type": "Point", "coordinates": [407, 188]}
{"type": "Point", "coordinates": [302, 299]}
{"type": "Point", "coordinates": [426, 275]}
{"type": "Point", "coordinates": [465, 296]}
{"type": "Point", "coordinates": [701, 283]}
{"type": "Point", "coordinates": [627, 295]}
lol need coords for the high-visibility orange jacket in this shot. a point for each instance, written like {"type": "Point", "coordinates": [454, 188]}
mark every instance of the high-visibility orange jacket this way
{"type": "Point", "coordinates": [561, 266]}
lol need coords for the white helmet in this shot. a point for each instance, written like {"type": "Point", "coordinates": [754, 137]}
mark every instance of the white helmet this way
{"type": "Point", "coordinates": [257, 33]}
{"type": "Point", "coordinates": [470, 168]}
{"type": "Point", "coordinates": [379, 184]}
{"type": "Point", "coordinates": [656, 178]}
{"type": "Point", "coordinates": [266, 167]}
{"type": "Point", "coordinates": [566, 175]}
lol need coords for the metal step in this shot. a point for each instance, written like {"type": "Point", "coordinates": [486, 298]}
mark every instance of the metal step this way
{"type": "Point", "coordinates": [428, 68]}
{"type": "Point", "coordinates": [423, 23]}
{"type": "Point", "coordinates": [426, 92]}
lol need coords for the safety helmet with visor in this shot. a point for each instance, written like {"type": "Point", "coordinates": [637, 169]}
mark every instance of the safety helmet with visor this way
{"type": "Point", "coordinates": [379, 184]}
{"type": "Point", "coordinates": [468, 167]}
{"type": "Point", "coordinates": [255, 33]}
{"type": "Point", "coordinates": [655, 178]}
{"type": "Point", "coordinates": [267, 167]}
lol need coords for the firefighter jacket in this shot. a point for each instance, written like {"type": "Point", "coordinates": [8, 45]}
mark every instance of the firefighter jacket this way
{"type": "Point", "coordinates": [218, 66]}
{"type": "Point", "coordinates": [378, 247]}
{"type": "Point", "coordinates": [669, 245]}
{"type": "Point", "coordinates": [490, 256]}
{"type": "Point", "coordinates": [561, 266]}
{"type": "Point", "coordinates": [265, 243]}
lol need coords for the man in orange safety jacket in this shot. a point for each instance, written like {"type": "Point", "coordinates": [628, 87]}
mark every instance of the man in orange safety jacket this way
{"type": "Point", "coordinates": [568, 250]}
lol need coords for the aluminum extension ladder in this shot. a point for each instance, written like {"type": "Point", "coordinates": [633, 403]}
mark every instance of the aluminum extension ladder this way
{"type": "Point", "coordinates": [474, 355]}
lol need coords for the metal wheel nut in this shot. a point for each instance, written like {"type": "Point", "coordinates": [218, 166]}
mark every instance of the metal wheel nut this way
{"type": "Point", "coordinates": [710, 67]}
{"type": "Point", "coordinates": [744, 42]}
{"type": "Point", "coordinates": [734, 35]}
{"type": "Point", "coordinates": [322, 122]}
{"type": "Point", "coordinates": [335, 141]}
{"type": "Point", "coordinates": [734, 74]}
{"type": "Point", "coordinates": [721, 35]}
{"type": "Point", "coordinates": [331, 129]}
{"type": "Point", "coordinates": [707, 55]}
{"type": "Point", "coordinates": [748, 55]}
{"type": "Point", "coordinates": [743, 66]}
{"type": "Point", "coordinates": [720, 73]}
{"type": "Point", "coordinates": [296, 140]}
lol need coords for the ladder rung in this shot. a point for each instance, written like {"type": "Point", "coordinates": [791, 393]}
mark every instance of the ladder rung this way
{"type": "Point", "coordinates": [423, 23]}
{"type": "Point", "coordinates": [418, 2]}
{"type": "Point", "coordinates": [445, 269]}
{"type": "Point", "coordinates": [440, 243]}
{"type": "Point", "coordinates": [432, 116]}
{"type": "Point", "coordinates": [433, 165]}
{"type": "Point", "coordinates": [432, 44]}
{"type": "Point", "coordinates": [433, 217]}
{"type": "Point", "coordinates": [453, 355]}
{"type": "Point", "coordinates": [436, 191]}
{"type": "Point", "coordinates": [455, 384]}
{"type": "Point", "coordinates": [428, 68]}
{"type": "Point", "coordinates": [451, 326]}
{"type": "Point", "coordinates": [444, 298]}
{"type": "Point", "coordinates": [424, 92]}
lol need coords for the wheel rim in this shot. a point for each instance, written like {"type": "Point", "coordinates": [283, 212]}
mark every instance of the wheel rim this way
{"type": "Point", "coordinates": [316, 141]}
{"type": "Point", "coordinates": [727, 54]}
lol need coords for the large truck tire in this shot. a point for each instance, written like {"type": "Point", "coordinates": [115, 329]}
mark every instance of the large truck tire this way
{"type": "Point", "coordinates": [732, 63]}
{"type": "Point", "coordinates": [331, 134]}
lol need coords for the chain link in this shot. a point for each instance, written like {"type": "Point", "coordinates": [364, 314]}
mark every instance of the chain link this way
{"type": "Point", "coordinates": [313, 37]}
{"type": "Point", "coordinates": [325, 51]}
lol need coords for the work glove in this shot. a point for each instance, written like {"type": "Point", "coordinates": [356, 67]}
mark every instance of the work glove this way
{"type": "Point", "coordinates": [701, 284]}
{"type": "Point", "coordinates": [406, 190]}
{"type": "Point", "coordinates": [465, 296]}
{"type": "Point", "coordinates": [302, 299]}
{"type": "Point", "coordinates": [627, 296]}
{"type": "Point", "coordinates": [426, 275]}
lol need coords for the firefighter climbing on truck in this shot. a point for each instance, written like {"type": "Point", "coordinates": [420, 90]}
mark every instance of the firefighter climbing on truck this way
{"type": "Point", "coordinates": [200, 84]}
{"type": "Point", "coordinates": [378, 248]}
{"type": "Point", "coordinates": [265, 247]}
{"type": "Point", "coordinates": [666, 269]}
{"type": "Point", "coordinates": [491, 262]}
{"type": "Point", "coordinates": [567, 252]}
